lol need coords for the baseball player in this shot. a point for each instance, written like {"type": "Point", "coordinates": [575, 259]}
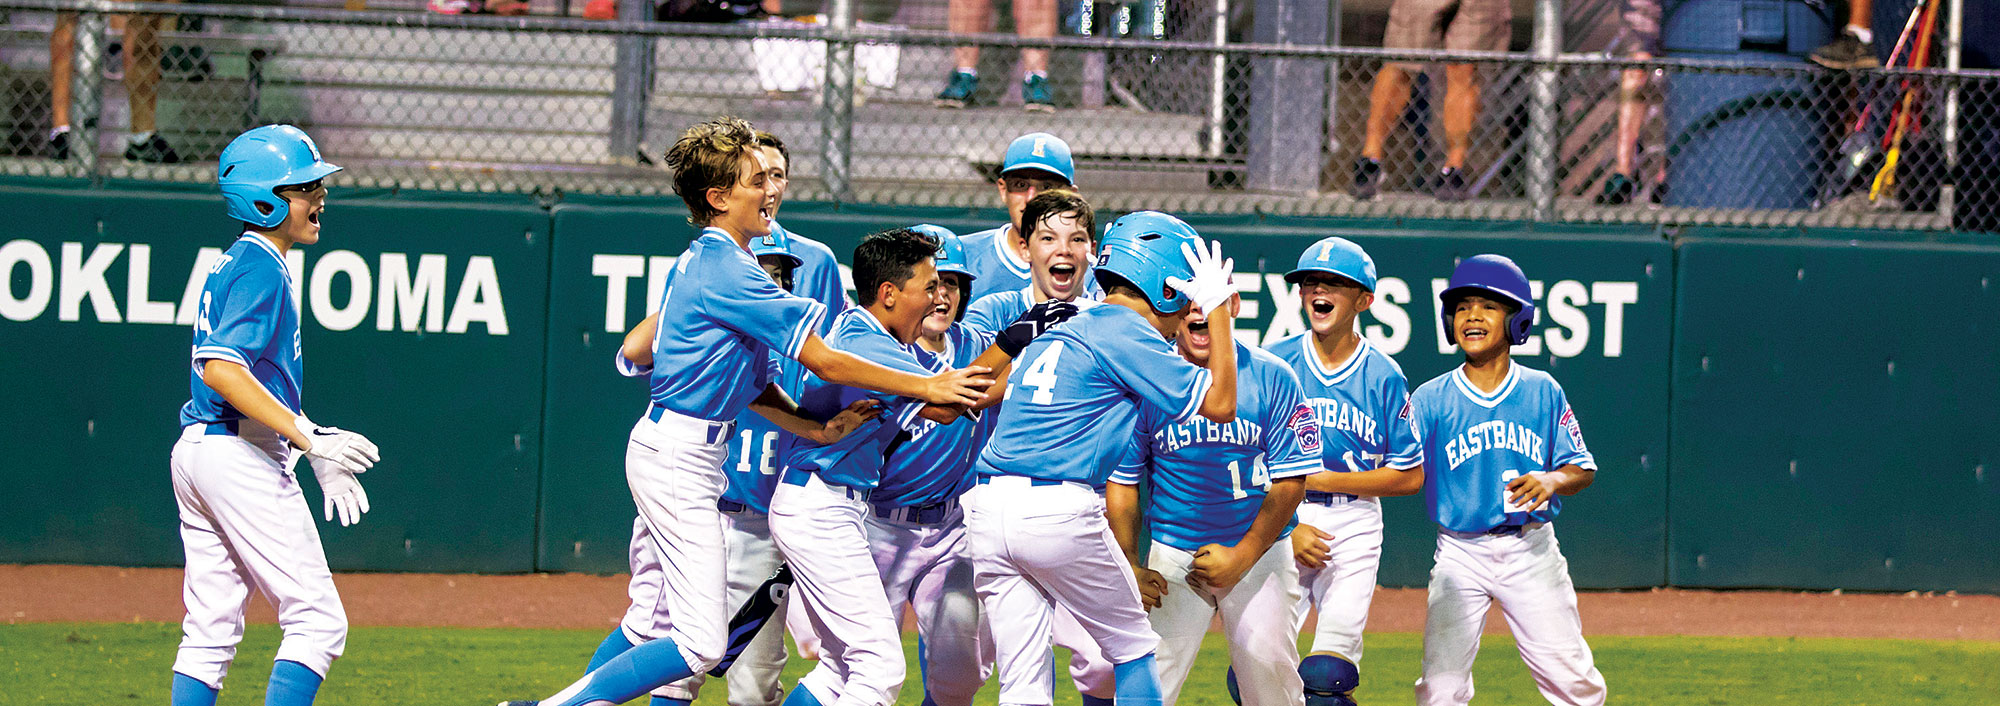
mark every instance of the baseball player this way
{"type": "Point", "coordinates": [708, 349]}
{"type": "Point", "coordinates": [1059, 228]}
{"type": "Point", "coordinates": [1035, 523]}
{"type": "Point", "coordinates": [1035, 163]}
{"type": "Point", "coordinates": [1222, 503]}
{"type": "Point", "coordinates": [1501, 444]}
{"type": "Point", "coordinates": [1358, 395]}
{"type": "Point", "coordinates": [244, 520]}
{"type": "Point", "coordinates": [798, 265]}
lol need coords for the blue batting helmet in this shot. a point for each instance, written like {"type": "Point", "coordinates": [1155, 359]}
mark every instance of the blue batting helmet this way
{"type": "Point", "coordinates": [257, 162]}
{"type": "Point", "coordinates": [1492, 276]}
{"type": "Point", "coordinates": [1336, 256]}
{"type": "Point", "coordinates": [1040, 151]}
{"type": "Point", "coordinates": [1329, 680]}
{"type": "Point", "coordinates": [777, 243]}
{"type": "Point", "coordinates": [1144, 248]}
{"type": "Point", "coordinates": [951, 251]}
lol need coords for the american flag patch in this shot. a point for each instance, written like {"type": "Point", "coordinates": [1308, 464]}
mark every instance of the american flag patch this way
{"type": "Point", "coordinates": [1568, 423]}
{"type": "Point", "coordinates": [1306, 428]}
{"type": "Point", "coordinates": [1405, 414]}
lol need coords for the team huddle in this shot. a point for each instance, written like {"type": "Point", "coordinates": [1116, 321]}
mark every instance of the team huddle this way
{"type": "Point", "coordinates": [1040, 434]}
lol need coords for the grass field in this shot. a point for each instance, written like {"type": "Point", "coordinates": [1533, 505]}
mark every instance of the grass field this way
{"type": "Point", "coordinates": [114, 663]}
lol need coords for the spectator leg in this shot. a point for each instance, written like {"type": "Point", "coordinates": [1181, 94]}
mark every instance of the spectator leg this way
{"type": "Point", "coordinates": [1461, 107]}
{"type": "Point", "coordinates": [1858, 16]}
{"type": "Point", "coordinates": [1035, 19]}
{"type": "Point", "coordinates": [142, 69]}
{"type": "Point", "coordinates": [1385, 107]}
{"type": "Point", "coordinates": [968, 17]}
{"type": "Point", "coordinates": [62, 57]}
{"type": "Point", "coordinates": [1631, 117]}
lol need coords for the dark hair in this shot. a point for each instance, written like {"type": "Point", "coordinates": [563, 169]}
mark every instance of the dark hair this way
{"type": "Point", "coordinates": [889, 256]}
{"type": "Point", "coordinates": [1056, 202]}
{"type": "Point", "coordinates": [765, 139]}
{"type": "Point", "coordinates": [1114, 283]}
{"type": "Point", "coordinates": [709, 156]}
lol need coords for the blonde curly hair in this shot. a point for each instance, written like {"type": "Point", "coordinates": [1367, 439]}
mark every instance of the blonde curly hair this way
{"type": "Point", "coordinates": [709, 155]}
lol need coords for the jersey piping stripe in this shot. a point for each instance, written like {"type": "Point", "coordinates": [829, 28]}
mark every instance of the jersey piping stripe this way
{"type": "Point", "coordinates": [1202, 381]}
{"type": "Point", "coordinates": [1007, 256]}
{"type": "Point", "coordinates": [1472, 392]}
{"type": "Point", "coordinates": [1304, 467]}
{"type": "Point", "coordinates": [208, 352]}
{"type": "Point", "coordinates": [807, 326]}
{"type": "Point", "coordinates": [1339, 373]}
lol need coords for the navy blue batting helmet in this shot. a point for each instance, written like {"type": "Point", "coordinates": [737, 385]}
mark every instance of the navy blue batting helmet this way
{"type": "Point", "coordinates": [1494, 277]}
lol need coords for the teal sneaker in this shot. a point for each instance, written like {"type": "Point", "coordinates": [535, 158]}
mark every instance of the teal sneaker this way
{"type": "Point", "coordinates": [1036, 96]}
{"type": "Point", "coordinates": [958, 91]}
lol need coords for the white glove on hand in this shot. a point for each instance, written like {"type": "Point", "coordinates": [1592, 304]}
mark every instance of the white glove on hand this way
{"type": "Point", "coordinates": [340, 448]}
{"type": "Point", "coordinates": [344, 496]}
{"type": "Point", "coordinates": [1210, 286]}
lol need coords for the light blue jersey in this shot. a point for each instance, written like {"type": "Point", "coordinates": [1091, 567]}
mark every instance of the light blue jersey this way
{"type": "Point", "coordinates": [856, 460]}
{"type": "Point", "coordinates": [994, 312]}
{"type": "Point", "coordinates": [249, 317]}
{"type": "Point", "coordinates": [933, 462]}
{"type": "Point", "coordinates": [1208, 479]}
{"type": "Point", "coordinates": [720, 319]}
{"type": "Point", "coordinates": [1474, 443]}
{"type": "Point", "coordinates": [995, 267]}
{"type": "Point", "coordinates": [1359, 406]}
{"type": "Point", "coordinates": [1077, 391]}
{"type": "Point", "coordinates": [817, 277]}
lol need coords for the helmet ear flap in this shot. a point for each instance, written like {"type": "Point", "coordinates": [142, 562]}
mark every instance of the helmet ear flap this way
{"type": "Point", "coordinates": [1517, 327]}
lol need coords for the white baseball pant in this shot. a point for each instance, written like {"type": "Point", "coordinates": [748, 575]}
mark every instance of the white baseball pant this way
{"type": "Point", "coordinates": [1039, 550]}
{"type": "Point", "coordinates": [1528, 575]}
{"type": "Point", "coordinates": [1344, 587]}
{"type": "Point", "coordinates": [839, 593]}
{"type": "Point", "coordinates": [245, 523]}
{"type": "Point", "coordinates": [924, 568]}
{"type": "Point", "coordinates": [753, 680]}
{"type": "Point", "coordinates": [674, 468]}
{"type": "Point", "coordinates": [1256, 617]}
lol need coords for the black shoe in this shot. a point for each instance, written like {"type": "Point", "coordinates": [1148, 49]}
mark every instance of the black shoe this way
{"type": "Point", "coordinates": [1846, 52]}
{"type": "Point", "coordinates": [155, 149]}
{"type": "Point", "coordinates": [59, 146]}
{"type": "Point", "coordinates": [1450, 185]}
{"type": "Point", "coordinates": [1367, 179]}
{"type": "Point", "coordinates": [1618, 190]}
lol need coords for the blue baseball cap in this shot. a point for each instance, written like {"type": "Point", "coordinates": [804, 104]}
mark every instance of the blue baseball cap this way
{"type": "Point", "coordinates": [1042, 152]}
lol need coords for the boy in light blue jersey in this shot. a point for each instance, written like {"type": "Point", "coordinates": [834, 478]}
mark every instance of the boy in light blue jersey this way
{"type": "Point", "coordinates": [244, 520]}
{"type": "Point", "coordinates": [1500, 444]}
{"type": "Point", "coordinates": [1060, 231]}
{"type": "Point", "coordinates": [1035, 163]}
{"type": "Point", "coordinates": [1036, 526]}
{"type": "Point", "coordinates": [1222, 503]}
{"type": "Point", "coordinates": [708, 348]}
{"type": "Point", "coordinates": [1358, 395]}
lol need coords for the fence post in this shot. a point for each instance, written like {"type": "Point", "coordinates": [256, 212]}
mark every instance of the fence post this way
{"type": "Point", "coordinates": [1953, 58]}
{"type": "Point", "coordinates": [836, 106]}
{"type": "Point", "coordinates": [86, 94]}
{"type": "Point", "coordinates": [1542, 111]}
{"type": "Point", "coordinates": [631, 81]}
{"type": "Point", "coordinates": [1287, 99]}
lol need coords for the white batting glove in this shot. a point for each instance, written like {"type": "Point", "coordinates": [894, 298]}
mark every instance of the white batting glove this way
{"type": "Point", "coordinates": [1210, 286]}
{"type": "Point", "coordinates": [340, 448]}
{"type": "Point", "coordinates": [344, 497]}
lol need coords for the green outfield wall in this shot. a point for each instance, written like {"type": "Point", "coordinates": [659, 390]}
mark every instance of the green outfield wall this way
{"type": "Point", "coordinates": [1736, 387]}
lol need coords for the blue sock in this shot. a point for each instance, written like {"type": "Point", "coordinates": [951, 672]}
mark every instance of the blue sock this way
{"type": "Point", "coordinates": [613, 645]}
{"type": "Point", "coordinates": [801, 696]}
{"type": "Point", "coordinates": [1089, 700]}
{"type": "Point", "coordinates": [189, 691]}
{"type": "Point", "coordinates": [292, 684]}
{"type": "Point", "coordinates": [639, 670]}
{"type": "Point", "coordinates": [664, 701]}
{"type": "Point", "coordinates": [1138, 682]}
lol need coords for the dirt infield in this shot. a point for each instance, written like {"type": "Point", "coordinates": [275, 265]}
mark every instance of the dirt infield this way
{"type": "Point", "coordinates": [50, 593]}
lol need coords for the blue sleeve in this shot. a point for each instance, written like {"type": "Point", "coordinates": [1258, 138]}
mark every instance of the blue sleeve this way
{"type": "Point", "coordinates": [984, 314]}
{"type": "Point", "coordinates": [1292, 442]}
{"type": "Point", "coordinates": [1157, 375]}
{"type": "Point", "coordinates": [884, 351]}
{"type": "Point", "coordinates": [246, 326]}
{"type": "Point", "coordinates": [1569, 446]}
{"type": "Point", "coordinates": [628, 368]}
{"type": "Point", "coordinates": [1138, 455]}
{"type": "Point", "coordinates": [827, 289]}
{"type": "Point", "coordinates": [1403, 448]}
{"type": "Point", "coordinates": [748, 302]}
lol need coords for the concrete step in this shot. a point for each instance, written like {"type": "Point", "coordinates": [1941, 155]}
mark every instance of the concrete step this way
{"type": "Point", "coordinates": [349, 106]}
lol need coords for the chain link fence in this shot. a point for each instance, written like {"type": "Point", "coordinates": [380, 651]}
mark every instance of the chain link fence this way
{"type": "Point", "coordinates": [1159, 111]}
